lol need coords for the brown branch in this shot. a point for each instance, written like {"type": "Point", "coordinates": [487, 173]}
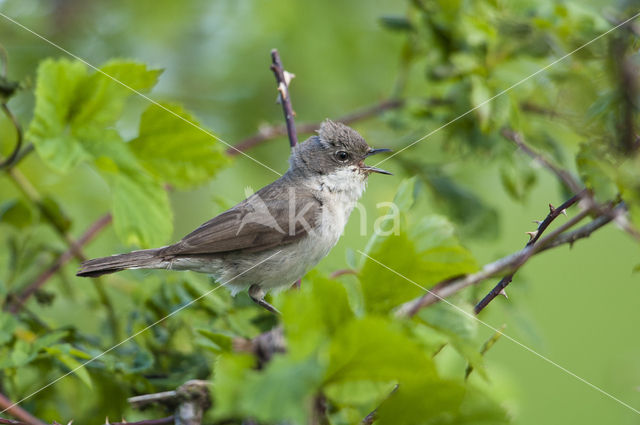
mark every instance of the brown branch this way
{"type": "Point", "coordinates": [88, 235]}
{"type": "Point", "coordinates": [565, 177]}
{"type": "Point", "coordinates": [24, 417]}
{"type": "Point", "coordinates": [283, 79]}
{"type": "Point", "coordinates": [511, 262]}
{"type": "Point", "coordinates": [534, 236]}
{"type": "Point", "coordinates": [275, 131]}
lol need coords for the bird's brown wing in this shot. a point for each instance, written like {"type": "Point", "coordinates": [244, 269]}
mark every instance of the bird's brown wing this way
{"type": "Point", "coordinates": [260, 222]}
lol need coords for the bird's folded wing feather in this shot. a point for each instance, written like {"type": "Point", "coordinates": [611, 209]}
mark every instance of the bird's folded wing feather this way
{"type": "Point", "coordinates": [267, 219]}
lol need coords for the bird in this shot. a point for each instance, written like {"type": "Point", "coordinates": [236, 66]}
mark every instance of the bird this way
{"type": "Point", "coordinates": [275, 236]}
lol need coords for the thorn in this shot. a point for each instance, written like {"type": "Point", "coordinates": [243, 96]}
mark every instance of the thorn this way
{"type": "Point", "coordinates": [288, 76]}
{"type": "Point", "coordinates": [538, 222]}
{"type": "Point", "coordinates": [503, 293]}
{"type": "Point", "coordinates": [532, 234]}
{"type": "Point", "coordinates": [70, 422]}
{"type": "Point", "coordinates": [552, 209]}
{"type": "Point", "coordinates": [106, 421]}
{"type": "Point", "coordinates": [564, 212]}
{"type": "Point", "coordinates": [124, 421]}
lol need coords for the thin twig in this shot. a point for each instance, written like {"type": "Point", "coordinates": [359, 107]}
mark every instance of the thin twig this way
{"type": "Point", "coordinates": [534, 236]}
{"type": "Point", "coordinates": [275, 131]}
{"type": "Point", "coordinates": [88, 235]}
{"type": "Point", "coordinates": [569, 181]}
{"type": "Point", "coordinates": [18, 412]}
{"type": "Point", "coordinates": [512, 261]}
{"type": "Point", "coordinates": [283, 79]}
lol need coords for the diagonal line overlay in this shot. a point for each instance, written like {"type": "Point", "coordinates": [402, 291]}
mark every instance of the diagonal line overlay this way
{"type": "Point", "coordinates": [515, 341]}
{"type": "Point", "coordinates": [57, 46]}
{"type": "Point", "coordinates": [513, 86]}
{"type": "Point", "coordinates": [174, 312]}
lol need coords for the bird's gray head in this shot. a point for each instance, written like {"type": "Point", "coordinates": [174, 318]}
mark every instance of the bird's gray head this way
{"type": "Point", "coordinates": [336, 149]}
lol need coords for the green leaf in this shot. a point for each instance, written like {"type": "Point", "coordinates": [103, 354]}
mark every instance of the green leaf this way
{"type": "Point", "coordinates": [480, 94]}
{"type": "Point", "coordinates": [142, 214]}
{"type": "Point", "coordinates": [56, 95]}
{"type": "Point", "coordinates": [596, 171]}
{"type": "Point", "coordinates": [284, 391]}
{"type": "Point", "coordinates": [8, 324]}
{"type": "Point", "coordinates": [102, 98]}
{"type": "Point", "coordinates": [60, 352]}
{"type": "Point", "coordinates": [216, 341]}
{"type": "Point", "coordinates": [230, 374]}
{"type": "Point", "coordinates": [426, 253]}
{"type": "Point", "coordinates": [175, 150]}
{"type": "Point", "coordinates": [459, 328]}
{"type": "Point", "coordinates": [16, 213]}
{"type": "Point", "coordinates": [371, 349]}
{"type": "Point", "coordinates": [404, 199]}
{"type": "Point", "coordinates": [71, 103]}
{"type": "Point", "coordinates": [313, 314]}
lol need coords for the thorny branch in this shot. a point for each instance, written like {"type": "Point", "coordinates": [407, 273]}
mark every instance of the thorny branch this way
{"type": "Point", "coordinates": [565, 177]}
{"type": "Point", "coordinates": [499, 289]}
{"type": "Point", "coordinates": [512, 262]}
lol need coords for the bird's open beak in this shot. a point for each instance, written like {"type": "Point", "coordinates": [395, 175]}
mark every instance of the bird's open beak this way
{"type": "Point", "coordinates": [370, 169]}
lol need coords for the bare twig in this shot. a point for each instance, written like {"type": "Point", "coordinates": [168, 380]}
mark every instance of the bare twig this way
{"type": "Point", "coordinates": [534, 236]}
{"type": "Point", "coordinates": [90, 233]}
{"type": "Point", "coordinates": [17, 412]}
{"type": "Point", "coordinates": [189, 402]}
{"type": "Point", "coordinates": [565, 177]}
{"type": "Point", "coordinates": [283, 79]}
{"type": "Point", "coordinates": [272, 132]}
{"type": "Point", "coordinates": [511, 262]}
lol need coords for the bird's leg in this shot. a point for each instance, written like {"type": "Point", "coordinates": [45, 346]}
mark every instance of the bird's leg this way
{"type": "Point", "coordinates": [257, 295]}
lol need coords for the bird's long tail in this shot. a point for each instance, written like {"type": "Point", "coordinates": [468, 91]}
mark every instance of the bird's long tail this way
{"type": "Point", "coordinates": [145, 259]}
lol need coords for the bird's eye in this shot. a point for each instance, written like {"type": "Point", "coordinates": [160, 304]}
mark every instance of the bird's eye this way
{"type": "Point", "coordinates": [342, 156]}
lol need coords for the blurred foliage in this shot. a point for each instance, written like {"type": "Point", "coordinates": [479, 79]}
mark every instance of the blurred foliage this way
{"type": "Point", "coordinates": [454, 64]}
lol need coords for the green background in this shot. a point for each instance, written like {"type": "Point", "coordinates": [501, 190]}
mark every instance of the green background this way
{"type": "Point", "coordinates": [578, 307]}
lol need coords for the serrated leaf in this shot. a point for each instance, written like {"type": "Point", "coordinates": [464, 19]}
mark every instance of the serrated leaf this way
{"type": "Point", "coordinates": [101, 98]}
{"type": "Point", "coordinates": [426, 253]}
{"type": "Point", "coordinates": [283, 392]}
{"type": "Point", "coordinates": [174, 150]}
{"type": "Point", "coordinates": [230, 373]}
{"type": "Point", "coordinates": [371, 349]}
{"type": "Point", "coordinates": [142, 214]}
{"type": "Point", "coordinates": [313, 314]}
{"type": "Point", "coordinates": [56, 97]}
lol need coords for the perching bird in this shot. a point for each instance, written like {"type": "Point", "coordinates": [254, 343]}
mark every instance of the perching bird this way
{"type": "Point", "coordinates": [276, 235]}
